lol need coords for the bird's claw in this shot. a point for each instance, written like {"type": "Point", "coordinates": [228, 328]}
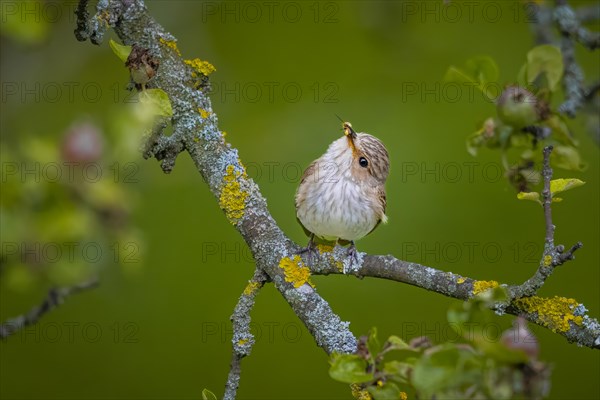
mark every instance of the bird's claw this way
{"type": "Point", "coordinates": [352, 258]}
{"type": "Point", "coordinates": [310, 250]}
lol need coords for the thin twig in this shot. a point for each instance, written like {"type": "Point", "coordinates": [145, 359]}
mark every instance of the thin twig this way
{"type": "Point", "coordinates": [547, 199]}
{"type": "Point", "coordinates": [569, 25]}
{"type": "Point", "coordinates": [242, 340]}
{"type": "Point", "coordinates": [591, 91]}
{"type": "Point", "coordinates": [54, 298]}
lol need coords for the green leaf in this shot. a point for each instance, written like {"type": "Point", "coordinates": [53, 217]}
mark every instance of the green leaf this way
{"type": "Point", "coordinates": [561, 185]}
{"type": "Point", "coordinates": [158, 101]}
{"type": "Point", "coordinates": [373, 343]}
{"type": "Point", "coordinates": [349, 368]}
{"type": "Point", "coordinates": [483, 69]}
{"type": "Point", "coordinates": [208, 395]}
{"type": "Point", "coordinates": [120, 50]}
{"type": "Point", "coordinates": [457, 316]}
{"type": "Point", "coordinates": [447, 368]}
{"type": "Point", "coordinates": [397, 370]}
{"type": "Point", "coordinates": [560, 130]}
{"type": "Point", "coordinates": [499, 352]}
{"type": "Point", "coordinates": [396, 343]}
{"type": "Point", "coordinates": [533, 196]}
{"type": "Point", "coordinates": [545, 59]}
{"type": "Point", "coordinates": [454, 74]}
{"type": "Point", "coordinates": [567, 157]}
{"type": "Point", "coordinates": [504, 134]}
{"type": "Point", "coordinates": [388, 391]}
{"type": "Point", "coordinates": [479, 70]}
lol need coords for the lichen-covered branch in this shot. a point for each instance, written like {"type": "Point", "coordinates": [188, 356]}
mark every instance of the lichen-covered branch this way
{"type": "Point", "coordinates": [568, 24]}
{"type": "Point", "coordinates": [242, 339]}
{"type": "Point", "coordinates": [54, 298]}
{"type": "Point", "coordinates": [563, 316]}
{"type": "Point", "coordinates": [552, 256]}
{"type": "Point", "coordinates": [571, 30]}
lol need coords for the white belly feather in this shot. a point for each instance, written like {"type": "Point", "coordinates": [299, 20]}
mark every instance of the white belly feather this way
{"type": "Point", "coordinates": [337, 209]}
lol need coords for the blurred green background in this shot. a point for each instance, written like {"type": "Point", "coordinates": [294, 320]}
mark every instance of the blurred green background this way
{"type": "Point", "coordinates": [158, 325]}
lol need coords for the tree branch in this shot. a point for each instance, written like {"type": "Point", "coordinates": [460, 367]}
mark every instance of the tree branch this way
{"type": "Point", "coordinates": [571, 31]}
{"type": "Point", "coordinates": [569, 25]}
{"type": "Point", "coordinates": [242, 340]}
{"type": "Point", "coordinates": [54, 298]}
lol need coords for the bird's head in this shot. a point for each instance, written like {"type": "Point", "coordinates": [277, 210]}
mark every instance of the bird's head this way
{"type": "Point", "coordinates": [370, 159]}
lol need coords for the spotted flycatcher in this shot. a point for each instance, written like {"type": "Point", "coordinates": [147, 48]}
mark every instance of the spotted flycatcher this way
{"type": "Point", "coordinates": [341, 196]}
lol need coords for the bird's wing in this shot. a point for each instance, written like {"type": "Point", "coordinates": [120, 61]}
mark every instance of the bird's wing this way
{"type": "Point", "coordinates": [307, 172]}
{"type": "Point", "coordinates": [383, 203]}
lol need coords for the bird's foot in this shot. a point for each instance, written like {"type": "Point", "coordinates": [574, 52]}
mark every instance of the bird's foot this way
{"type": "Point", "coordinates": [352, 257]}
{"type": "Point", "coordinates": [310, 250]}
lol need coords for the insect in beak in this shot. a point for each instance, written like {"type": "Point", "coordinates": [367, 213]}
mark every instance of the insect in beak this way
{"type": "Point", "coordinates": [349, 132]}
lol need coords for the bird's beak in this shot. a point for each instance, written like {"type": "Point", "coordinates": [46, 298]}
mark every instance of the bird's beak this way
{"type": "Point", "coordinates": [350, 134]}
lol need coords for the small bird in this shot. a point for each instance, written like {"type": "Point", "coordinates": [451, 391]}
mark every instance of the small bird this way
{"type": "Point", "coordinates": [341, 196]}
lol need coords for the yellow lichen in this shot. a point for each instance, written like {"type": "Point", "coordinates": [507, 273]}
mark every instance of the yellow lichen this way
{"type": "Point", "coordinates": [547, 260]}
{"type": "Point", "coordinates": [328, 248]}
{"type": "Point", "coordinates": [203, 113]}
{"type": "Point", "coordinates": [359, 393]}
{"type": "Point", "coordinates": [295, 271]}
{"type": "Point", "coordinates": [233, 198]}
{"type": "Point", "coordinates": [251, 288]}
{"type": "Point", "coordinates": [104, 17]}
{"type": "Point", "coordinates": [324, 248]}
{"type": "Point", "coordinates": [170, 44]}
{"type": "Point", "coordinates": [482, 286]}
{"type": "Point", "coordinates": [554, 313]}
{"type": "Point", "coordinates": [461, 280]}
{"type": "Point", "coordinates": [204, 67]}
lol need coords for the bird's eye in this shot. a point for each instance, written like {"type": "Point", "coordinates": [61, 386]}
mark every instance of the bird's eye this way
{"type": "Point", "coordinates": [363, 162]}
